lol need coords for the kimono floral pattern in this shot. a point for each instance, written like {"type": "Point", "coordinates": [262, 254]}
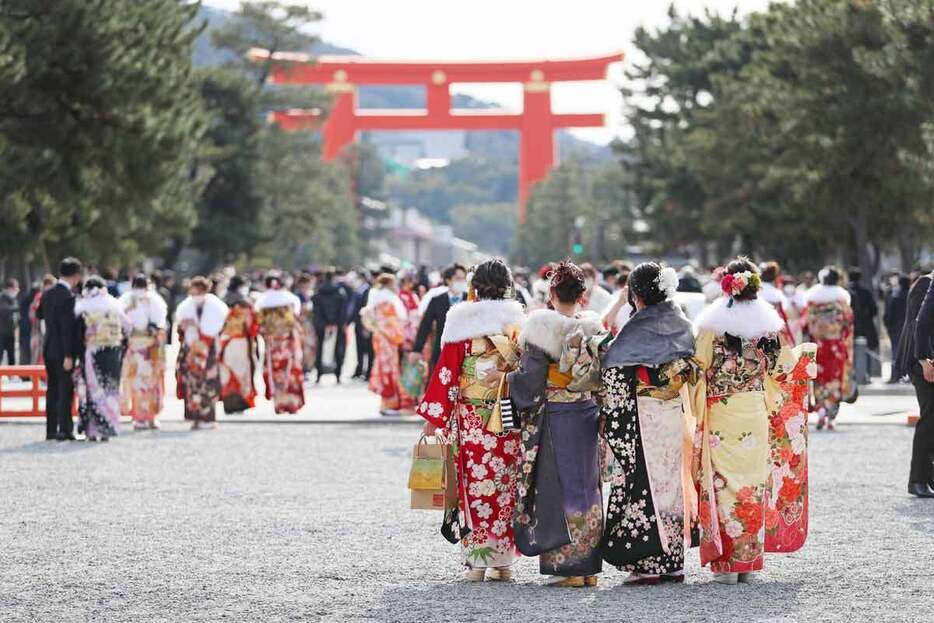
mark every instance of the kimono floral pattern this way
{"type": "Point", "coordinates": [197, 373]}
{"type": "Point", "coordinates": [97, 378]}
{"type": "Point", "coordinates": [144, 376]}
{"type": "Point", "coordinates": [645, 518]}
{"type": "Point", "coordinates": [740, 365]}
{"type": "Point", "coordinates": [386, 375]}
{"type": "Point", "coordinates": [586, 530]}
{"type": "Point", "coordinates": [830, 325]}
{"type": "Point", "coordinates": [786, 519]}
{"type": "Point", "coordinates": [485, 462]}
{"type": "Point", "coordinates": [732, 446]}
{"type": "Point", "coordinates": [282, 369]}
{"type": "Point", "coordinates": [237, 347]}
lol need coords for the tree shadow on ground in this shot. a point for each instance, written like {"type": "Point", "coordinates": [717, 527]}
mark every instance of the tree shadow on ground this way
{"type": "Point", "coordinates": [528, 599]}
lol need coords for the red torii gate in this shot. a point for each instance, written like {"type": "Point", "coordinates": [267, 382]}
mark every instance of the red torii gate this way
{"type": "Point", "coordinates": [343, 74]}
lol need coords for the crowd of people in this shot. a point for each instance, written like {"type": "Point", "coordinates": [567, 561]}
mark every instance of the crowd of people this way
{"type": "Point", "coordinates": [690, 396]}
{"type": "Point", "coordinates": [700, 427]}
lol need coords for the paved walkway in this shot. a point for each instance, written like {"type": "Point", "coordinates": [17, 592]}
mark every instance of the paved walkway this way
{"type": "Point", "coordinates": [310, 523]}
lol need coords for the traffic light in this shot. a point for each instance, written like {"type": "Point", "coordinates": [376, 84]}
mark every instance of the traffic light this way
{"type": "Point", "coordinates": [577, 240]}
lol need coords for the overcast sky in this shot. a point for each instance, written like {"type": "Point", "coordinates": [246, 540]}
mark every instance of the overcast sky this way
{"type": "Point", "coordinates": [506, 29]}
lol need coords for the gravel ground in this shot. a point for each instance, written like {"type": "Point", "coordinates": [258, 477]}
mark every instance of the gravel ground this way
{"type": "Point", "coordinates": [273, 522]}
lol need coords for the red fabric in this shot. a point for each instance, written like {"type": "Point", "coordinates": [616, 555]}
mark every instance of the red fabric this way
{"type": "Point", "coordinates": [452, 359]}
{"type": "Point", "coordinates": [409, 299]}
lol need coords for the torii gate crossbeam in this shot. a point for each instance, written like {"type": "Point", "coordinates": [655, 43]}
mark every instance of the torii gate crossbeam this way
{"type": "Point", "coordinates": [343, 74]}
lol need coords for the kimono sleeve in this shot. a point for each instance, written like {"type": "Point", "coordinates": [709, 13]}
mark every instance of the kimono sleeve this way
{"type": "Point", "coordinates": [527, 384]}
{"type": "Point", "coordinates": [390, 326]}
{"type": "Point", "coordinates": [442, 392]}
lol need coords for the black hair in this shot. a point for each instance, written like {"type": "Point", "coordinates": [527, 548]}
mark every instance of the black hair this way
{"type": "Point", "coordinates": [140, 281]}
{"type": "Point", "coordinates": [643, 281]}
{"type": "Point", "coordinates": [741, 265]}
{"type": "Point", "coordinates": [273, 280]}
{"type": "Point", "coordinates": [855, 275]}
{"type": "Point", "coordinates": [448, 273]}
{"type": "Point", "coordinates": [94, 281]}
{"type": "Point", "coordinates": [11, 282]}
{"type": "Point", "coordinates": [770, 271]}
{"type": "Point", "coordinates": [492, 280]}
{"type": "Point", "coordinates": [69, 267]}
{"type": "Point", "coordinates": [830, 276]}
{"type": "Point", "coordinates": [568, 281]}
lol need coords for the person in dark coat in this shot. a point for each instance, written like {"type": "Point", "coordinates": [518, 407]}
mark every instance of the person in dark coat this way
{"type": "Point", "coordinates": [362, 337]}
{"type": "Point", "coordinates": [916, 357]}
{"type": "Point", "coordinates": [896, 306]}
{"type": "Point", "coordinates": [330, 314]}
{"type": "Point", "coordinates": [865, 311]}
{"type": "Point", "coordinates": [432, 322]}
{"type": "Point", "coordinates": [9, 310]}
{"type": "Point", "coordinates": [57, 309]}
{"type": "Point", "coordinates": [25, 326]}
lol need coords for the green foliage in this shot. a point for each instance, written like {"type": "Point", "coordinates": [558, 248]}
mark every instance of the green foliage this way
{"type": "Point", "coordinates": [491, 224]}
{"type": "Point", "coordinates": [576, 192]}
{"type": "Point", "coordinates": [98, 119]}
{"type": "Point", "coordinates": [435, 192]}
{"type": "Point", "coordinates": [269, 199]}
{"type": "Point", "coordinates": [800, 134]}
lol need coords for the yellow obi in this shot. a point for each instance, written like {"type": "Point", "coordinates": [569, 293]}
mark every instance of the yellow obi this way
{"type": "Point", "coordinates": [481, 358]}
{"type": "Point", "coordinates": [557, 388]}
{"type": "Point", "coordinates": [102, 329]}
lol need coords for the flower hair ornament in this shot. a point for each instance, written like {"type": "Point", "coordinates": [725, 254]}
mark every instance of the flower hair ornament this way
{"type": "Point", "coordinates": [733, 284]}
{"type": "Point", "coordinates": [667, 281]}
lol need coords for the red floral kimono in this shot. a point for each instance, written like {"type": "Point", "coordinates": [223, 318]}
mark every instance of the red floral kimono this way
{"type": "Point", "coordinates": [786, 518]}
{"type": "Point", "coordinates": [828, 321]}
{"type": "Point", "coordinates": [281, 328]}
{"type": "Point", "coordinates": [385, 316]}
{"type": "Point", "coordinates": [237, 358]}
{"type": "Point", "coordinates": [459, 404]}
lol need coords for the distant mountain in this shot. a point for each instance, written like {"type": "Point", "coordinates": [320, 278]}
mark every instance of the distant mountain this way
{"type": "Point", "coordinates": [498, 145]}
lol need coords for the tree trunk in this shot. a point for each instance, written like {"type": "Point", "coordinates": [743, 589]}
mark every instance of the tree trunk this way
{"type": "Point", "coordinates": [859, 223]}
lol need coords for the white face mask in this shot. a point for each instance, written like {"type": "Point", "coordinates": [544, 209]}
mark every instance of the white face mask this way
{"type": "Point", "coordinates": [459, 287]}
{"type": "Point", "coordinates": [244, 290]}
{"type": "Point", "coordinates": [198, 299]}
{"type": "Point", "coordinates": [589, 283]}
{"type": "Point", "coordinates": [789, 289]}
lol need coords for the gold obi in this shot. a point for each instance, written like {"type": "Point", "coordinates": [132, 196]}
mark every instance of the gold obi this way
{"type": "Point", "coordinates": [103, 329]}
{"type": "Point", "coordinates": [483, 356]}
{"type": "Point", "coordinates": [558, 381]}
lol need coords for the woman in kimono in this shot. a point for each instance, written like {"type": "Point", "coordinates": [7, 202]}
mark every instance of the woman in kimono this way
{"type": "Point", "coordinates": [559, 507]}
{"type": "Point", "coordinates": [828, 321]}
{"type": "Point", "coordinates": [144, 363]}
{"type": "Point", "coordinates": [101, 326]}
{"type": "Point", "coordinates": [237, 350]}
{"type": "Point", "coordinates": [770, 293]}
{"type": "Point", "coordinates": [279, 314]}
{"type": "Point", "coordinates": [644, 370]}
{"type": "Point", "coordinates": [304, 291]}
{"type": "Point", "coordinates": [740, 351]}
{"type": "Point", "coordinates": [478, 340]}
{"type": "Point", "coordinates": [199, 320]}
{"type": "Point", "coordinates": [385, 316]}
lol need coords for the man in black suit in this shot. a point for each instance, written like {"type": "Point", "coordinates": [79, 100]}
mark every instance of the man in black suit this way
{"type": "Point", "coordinates": [865, 311]}
{"type": "Point", "coordinates": [329, 305]}
{"type": "Point", "coordinates": [57, 309]}
{"type": "Point", "coordinates": [455, 277]}
{"type": "Point", "coordinates": [916, 355]}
